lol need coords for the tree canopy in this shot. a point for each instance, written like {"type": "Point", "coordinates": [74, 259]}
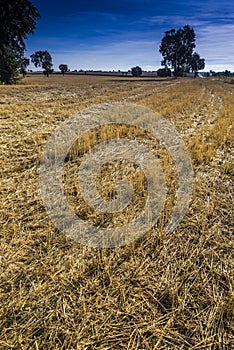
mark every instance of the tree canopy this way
{"type": "Point", "coordinates": [17, 20]}
{"type": "Point", "coordinates": [43, 59]}
{"type": "Point", "coordinates": [63, 68]}
{"type": "Point", "coordinates": [177, 50]}
{"type": "Point", "coordinates": [136, 71]}
{"type": "Point", "coordinates": [197, 62]}
{"type": "Point", "coordinates": [24, 64]}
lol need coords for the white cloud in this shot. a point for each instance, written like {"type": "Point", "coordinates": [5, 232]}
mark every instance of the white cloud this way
{"type": "Point", "coordinates": [216, 44]}
{"type": "Point", "coordinates": [120, 48]}
{"type": "Point", "coordinates": [122, 55]}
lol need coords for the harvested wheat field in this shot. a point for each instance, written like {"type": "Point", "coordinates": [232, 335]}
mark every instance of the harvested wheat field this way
{"type": "Point", "coordinates": [162, 291]}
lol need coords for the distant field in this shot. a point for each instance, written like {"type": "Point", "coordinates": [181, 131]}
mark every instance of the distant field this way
{"type": "Point", "coordinates": [164, 291]}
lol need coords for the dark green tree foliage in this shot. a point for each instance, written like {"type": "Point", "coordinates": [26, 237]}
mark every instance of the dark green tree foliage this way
{"type": "Point", "coordinates": [43, 59]}
{"type": "Point", "coordinates": [17, 20]}
{"type": "Point", "coordinates": [164, 72]}
{"type": "Point", "coordinates": [197, 62]}
{"type": "Point", "coordinates": [136, 71]}
{"type": "Point", "coordinates": [177, 50]}
{"type": "Point", "coordinates": [9, 66]}
{"type": "Point", "coordinates": [227, 73]}
{"type": "Point", "coordinates": [63, 68]}
{"type": "Point", "coordinates": [23, 66]}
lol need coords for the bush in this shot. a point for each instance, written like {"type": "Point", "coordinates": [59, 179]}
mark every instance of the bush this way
{"type": "Point", "coordinates": [164, 72]}
{"type": "Point", "coordinates": [136, 71]}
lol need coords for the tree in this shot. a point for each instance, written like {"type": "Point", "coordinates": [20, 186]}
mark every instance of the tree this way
{"type": "Point", "coordinates": [9, 66]}
{"type": "Point", "coordinates": [136, 71]}
{"type": "Point", "coordinates": [17, 20]}
{"type": "Point", "coordinates": [43, 59]}
{"type": "Point", "coordinates": [164, 72]}
{"type": "Point", "coordinates": [197, 63]}
{"type": "Point", "coordinates": [63, 68]}
{"type": "Point", "coordinates": [177, 50]}
{"type": "Point", "coordinates": [23, 66]}
{"type": "Point", "coordinates": [227, 73]}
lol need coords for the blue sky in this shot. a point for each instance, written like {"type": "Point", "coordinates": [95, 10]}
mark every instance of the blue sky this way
{"type": "Point", "coordinates": [109, 34]}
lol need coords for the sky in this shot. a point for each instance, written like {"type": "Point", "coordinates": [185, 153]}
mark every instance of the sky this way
{"type": "Point", "coordinates": [117, 35]}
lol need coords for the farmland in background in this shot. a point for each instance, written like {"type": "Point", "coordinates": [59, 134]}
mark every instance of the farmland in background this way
{"type": "Point", "coordinates": [164, 291]}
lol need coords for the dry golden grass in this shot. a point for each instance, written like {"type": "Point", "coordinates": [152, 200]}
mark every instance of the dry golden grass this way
{"type": "Point", "coordinates": [164, 291]}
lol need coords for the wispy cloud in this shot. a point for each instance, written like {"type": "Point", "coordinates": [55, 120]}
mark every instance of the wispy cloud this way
{"type": "Point", "coordinates": [216, 44]}
{"type": "Point", "coordinates": [118, 35]}
{"type": "Point", "coordinates": [122, 55]}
